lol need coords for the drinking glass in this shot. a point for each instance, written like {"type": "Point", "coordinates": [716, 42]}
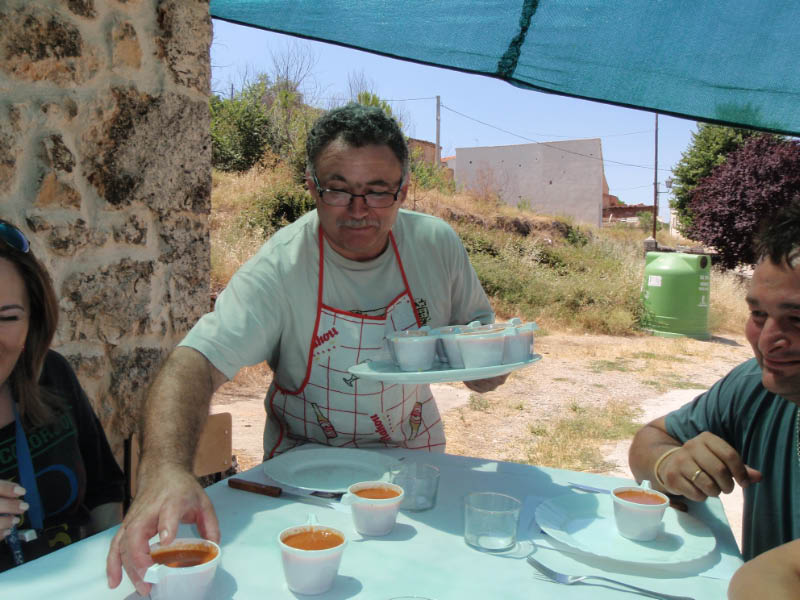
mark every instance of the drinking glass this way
{"type": "Point", "coordinates": [420, 482]}
{"type": "Point", "coordinates": [490, 521]}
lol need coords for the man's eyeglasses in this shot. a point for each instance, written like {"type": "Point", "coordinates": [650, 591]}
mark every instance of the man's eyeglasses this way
{"type": "Point", "coordinates": [14, 237]}
{"type": "Point", "coordinates": [342, 198]}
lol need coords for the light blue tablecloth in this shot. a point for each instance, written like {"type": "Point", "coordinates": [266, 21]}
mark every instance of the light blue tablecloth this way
{"type": "Point", "coordinates": [425, 555]}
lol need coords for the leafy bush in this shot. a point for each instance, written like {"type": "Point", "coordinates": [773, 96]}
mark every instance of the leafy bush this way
{"type": "Point", "coordinates": [275, 207]}
{"type": "Point", "coordinates": [240, 129]}
{"type": "Point", "coordinates": [590, 284]}
{"type": "Point", "coordinates": [729, 205]}
{"type": "Point", "coordinates": [428, 176]}
{"type": "Point", "coordinates": [476, 241]}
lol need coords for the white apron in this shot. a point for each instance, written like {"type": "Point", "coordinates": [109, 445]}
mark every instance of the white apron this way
{"type": "Point", "coordinates": [336, 408]}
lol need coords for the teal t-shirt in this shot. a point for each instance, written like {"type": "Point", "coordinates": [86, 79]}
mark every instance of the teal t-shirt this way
{"type": "Point", "coordinates": [763, 428]}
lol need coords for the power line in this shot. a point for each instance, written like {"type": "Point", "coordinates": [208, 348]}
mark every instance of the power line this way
{"type": "Point", "coordinates": [604, 160]}
{"type": "Point", "coordinates": [409, 99]}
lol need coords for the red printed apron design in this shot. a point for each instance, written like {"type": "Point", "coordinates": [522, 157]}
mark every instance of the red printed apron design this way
{"type": "Point", "coordinates": [336, 408]}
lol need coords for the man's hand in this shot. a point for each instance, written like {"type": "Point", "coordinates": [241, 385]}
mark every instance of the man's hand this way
{"type": "Point", "coordinates": [168, 497]}
{"type": "Point", "coordinates": [705, 466]}
{"type": "Point", "coordinates": [486, 385]}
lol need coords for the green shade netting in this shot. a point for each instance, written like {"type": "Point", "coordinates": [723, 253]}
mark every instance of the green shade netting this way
{"type": "Point", "coordinates": [726, 61]}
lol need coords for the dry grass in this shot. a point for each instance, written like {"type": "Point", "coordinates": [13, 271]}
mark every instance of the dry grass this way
{"type": "Point", "coordinates": [573, 442]}
{"type": "Point", "coordinates": [728, 310]}
{"type": "Point", "coordinates": [232, 243]}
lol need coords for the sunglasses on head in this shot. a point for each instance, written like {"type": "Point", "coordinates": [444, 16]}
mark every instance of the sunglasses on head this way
{"type": "Point", "coordinates": [14, 237]}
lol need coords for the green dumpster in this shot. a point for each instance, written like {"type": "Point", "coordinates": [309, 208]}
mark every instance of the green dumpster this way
{"type": "Point", "coordinates": [676, 294]}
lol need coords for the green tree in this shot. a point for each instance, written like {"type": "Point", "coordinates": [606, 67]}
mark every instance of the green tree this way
{"type": "Point", "coordinates": [367, 98]}
{"type": "Point", "coordinates": [709, 146]}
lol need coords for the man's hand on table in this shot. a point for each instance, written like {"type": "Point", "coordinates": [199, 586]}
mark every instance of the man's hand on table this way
{"type": "Point", "coordinates": [705, 466]}
{"type": "Point", "coordinates": [486, 385]}
{"type": "Point", "coordinates": [170, 496]}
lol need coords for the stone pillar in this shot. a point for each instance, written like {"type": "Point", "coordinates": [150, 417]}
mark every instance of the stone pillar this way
{"type": "Point", "coordinates": [105, 163]}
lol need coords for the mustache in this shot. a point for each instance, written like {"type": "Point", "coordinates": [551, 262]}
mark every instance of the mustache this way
{"type": "Point", "coordinates": [357, 223]}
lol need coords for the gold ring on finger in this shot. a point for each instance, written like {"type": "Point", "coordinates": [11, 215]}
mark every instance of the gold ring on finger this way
{"type": "Point", "coordinates": [696, 475]}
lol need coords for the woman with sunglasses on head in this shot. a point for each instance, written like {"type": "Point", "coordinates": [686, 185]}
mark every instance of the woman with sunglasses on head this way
{"type": "Point", "coordinates": [59, 481]}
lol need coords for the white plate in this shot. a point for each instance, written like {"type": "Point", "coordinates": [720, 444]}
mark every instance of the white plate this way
{"type": "Point", "coordinates": [387, 371]}
{"type": "Point", "coordinates": [328, 469]}
{"type": "Point", "coordinates": [586, 522]}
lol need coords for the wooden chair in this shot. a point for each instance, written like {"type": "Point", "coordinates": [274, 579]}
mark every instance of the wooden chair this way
{"type": "Point", "coordinates": [213, 456]}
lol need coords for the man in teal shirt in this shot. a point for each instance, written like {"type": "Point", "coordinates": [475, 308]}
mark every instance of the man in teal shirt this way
{"type": "Point", "coordinates": [745, 429]}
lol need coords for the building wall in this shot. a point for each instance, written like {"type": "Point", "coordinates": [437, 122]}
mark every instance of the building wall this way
{"type": "Point", "coordinates": [557, 178]}
{"type": "Point", "coordinates": [105, 163]}
{"type": "Point", "coordinates": [427, 150]}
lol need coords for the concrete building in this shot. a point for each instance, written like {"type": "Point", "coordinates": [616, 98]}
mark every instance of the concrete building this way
{"type": "Point", "coordinates": [554, 178]}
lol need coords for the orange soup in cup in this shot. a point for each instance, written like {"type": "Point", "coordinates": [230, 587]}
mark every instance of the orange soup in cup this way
{"type": "Point", "coordinates": [640, 497]}
{"type": "Point", "coordinates": [377, 493]}
{"type": "Point", "coordinates": [315, 538]}
{"type": "Point", "coordinates": [184, 556]}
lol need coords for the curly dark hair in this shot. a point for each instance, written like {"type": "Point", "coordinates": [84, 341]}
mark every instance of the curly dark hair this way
{"type": "Point", "coordinates": [779, 236]}
{"type": "Point", "coordinates": [357, 125]}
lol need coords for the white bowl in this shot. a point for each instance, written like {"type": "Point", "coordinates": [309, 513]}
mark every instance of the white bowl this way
{"type": "Point", "coordinates": [413, 349]}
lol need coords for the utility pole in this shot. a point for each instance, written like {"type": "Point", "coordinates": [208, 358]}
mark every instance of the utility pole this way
{"type": "Point", "coordinates": [438, 157]}
{"type": "Point", "coordinates": [655, 185]}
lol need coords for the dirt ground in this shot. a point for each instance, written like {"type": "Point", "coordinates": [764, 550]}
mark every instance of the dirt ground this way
{"type": "Point", "coordinates": [653, 374]}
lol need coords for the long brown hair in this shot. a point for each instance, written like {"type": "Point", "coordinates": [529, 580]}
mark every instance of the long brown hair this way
{"type": "Point", "coordinates": [37, 406]}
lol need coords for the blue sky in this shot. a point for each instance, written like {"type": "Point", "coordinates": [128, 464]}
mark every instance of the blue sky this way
{"type": "Point", "coordinates": [476, 110]}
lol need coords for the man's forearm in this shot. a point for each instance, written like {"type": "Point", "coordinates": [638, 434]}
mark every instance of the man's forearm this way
{"type": "Point", "coordinates": [649, 444]}
{"type": "Point", "coordinates": [177, 408]}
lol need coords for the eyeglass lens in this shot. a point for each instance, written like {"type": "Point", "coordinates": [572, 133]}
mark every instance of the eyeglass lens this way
{"type": "Point", "coordinates": [342, 198]}
{"type": "Point", "coordinates": [14, 237]}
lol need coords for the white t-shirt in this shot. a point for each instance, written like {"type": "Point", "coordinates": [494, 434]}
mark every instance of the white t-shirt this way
{"type": "Point", "coordinates": [268, 309]}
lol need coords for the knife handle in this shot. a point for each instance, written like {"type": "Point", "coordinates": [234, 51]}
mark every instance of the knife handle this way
{"type": "Point", "coordinates": [254, 486]}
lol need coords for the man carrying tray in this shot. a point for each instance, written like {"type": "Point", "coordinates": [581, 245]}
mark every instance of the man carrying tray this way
{"type": "Point", "coordinates": [316, 299]}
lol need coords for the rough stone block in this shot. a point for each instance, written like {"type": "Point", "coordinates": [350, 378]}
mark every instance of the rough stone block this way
{"type": "Point", "coordinates": [39, 44]}
{"type": "Point", "coordinates": [110, 303]}
{"type": "Point", "coordinates": [54, 193]}
{"type": "Point", "coordinates": [132, 371]}
{"type": "Point", "coordinates": [125, 49]}
{"type": "Point", "coordinates": [149, 135]}
{"type": "Point", "coordinates": [183, 40]}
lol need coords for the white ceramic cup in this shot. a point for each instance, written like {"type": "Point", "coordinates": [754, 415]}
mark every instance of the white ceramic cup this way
{"type": "Point", "coordinates": [420, 483]}
{"type": "Point", "coordinates": [310, 572]}
{"type": "Point", "coordinates": [482, 348]}
{"type": "Point", "coordinates": [412, 350]}
{"type": "Point", "coordinates": [373, 516]}
{"type": "Point", "coordinates": [518, 342]}
{"type": "Point", "coordinates": [447, 346]}
{"type": "Point", "coordinates": [182, 583]}
{"type": "Point", "coordinates": [635, 519]}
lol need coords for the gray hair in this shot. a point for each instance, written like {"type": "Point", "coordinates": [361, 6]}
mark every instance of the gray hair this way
{"type": "Point", "coordinates": [356, 125]}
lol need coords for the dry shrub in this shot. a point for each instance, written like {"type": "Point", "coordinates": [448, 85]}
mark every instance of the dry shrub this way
{"type": "Point", "coordinates": [728, 311]}
{"type": "Point", "coordinates": [232, 243]}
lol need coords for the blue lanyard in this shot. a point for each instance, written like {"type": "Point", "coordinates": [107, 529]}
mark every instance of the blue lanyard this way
{"type": "Point", "coordinates": [26, 474]}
